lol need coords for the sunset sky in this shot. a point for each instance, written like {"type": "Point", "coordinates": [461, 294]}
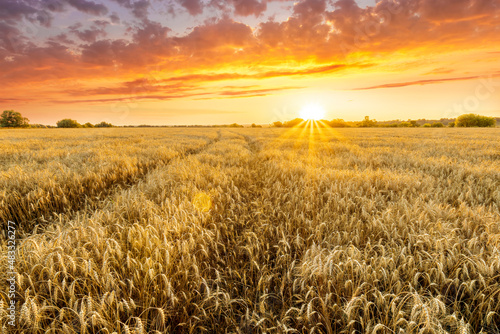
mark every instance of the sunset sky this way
{"type": "Point", "coordinates": [248, 61]}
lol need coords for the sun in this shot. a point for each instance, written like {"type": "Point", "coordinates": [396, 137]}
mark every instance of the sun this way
{"type": "Point", "coordinates": [313, 112]}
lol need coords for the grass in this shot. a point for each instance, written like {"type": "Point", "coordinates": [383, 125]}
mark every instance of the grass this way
{"type": "Point", "coordinates": [253, 230]}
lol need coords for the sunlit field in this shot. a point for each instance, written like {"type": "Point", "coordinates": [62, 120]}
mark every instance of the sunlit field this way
{"type": "Point", "coordinates": [303, 230]}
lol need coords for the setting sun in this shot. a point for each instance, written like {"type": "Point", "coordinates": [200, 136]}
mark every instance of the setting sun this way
{"type": "Point", "coordinates": [313, 112]}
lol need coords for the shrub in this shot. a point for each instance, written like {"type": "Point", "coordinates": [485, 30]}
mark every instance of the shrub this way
{"type": "Point", "coordinates": [68, 123]}
{"type": "Point", "coordinates": [88, 125]}
{"type": "Point", "coordinates": [437, 125]}
{"type": "Point", "coordinates": [473, 120]}
{"type": "Point", "coordinates": [338, 123]}
{"type": "Point", "coordinates": [427, 125]}
{"type": "Point", "coordinates": [367, 123]}
{"type": "Point", "coordinates": [103, 125]}
{"type": "Point", "coordinates": [293, 122]}
{"type": "Point", "coordinates": [451, 124]}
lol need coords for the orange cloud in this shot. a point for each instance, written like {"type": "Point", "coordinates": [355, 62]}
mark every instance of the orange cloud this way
{"type": "Point", "coordinates": [422, 82]}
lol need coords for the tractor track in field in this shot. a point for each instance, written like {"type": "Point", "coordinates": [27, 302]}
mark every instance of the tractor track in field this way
{"type": "Point", "coordinates": [71, 203]}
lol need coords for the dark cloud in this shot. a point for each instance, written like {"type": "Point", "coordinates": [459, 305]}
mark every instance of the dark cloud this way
{"type": "Point", "coordinates": [194, 7]}
{"type": "Point", "coordinates": [139, 8]}
{"type": "Point", "coordinates": [240, 7]}
{"type": "Point", "coordinates": [89, 7]}
{"type": "Point", "coordinates": [249, 7]}
{"type": "Point", "coordinates": [91, 34]}
{"type": "Point", "coordinates": [114, 18]}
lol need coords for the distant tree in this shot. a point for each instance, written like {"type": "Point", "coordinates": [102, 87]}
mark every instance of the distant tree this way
{"type": "Point", "coordinates": [414, 124]}
{"type": "Point", "coordinates": [338, 123]}
{"type": "Point", "coordinates": [278, 124]}
{"type": "Point", "coordinates": [256, 126]}
{"type": "Point", "coordinates": [368, 123]}
{"type": "Point", "coordinates": [405, 125]}
{"type": "Point", "coordinates": [437, 125]}
{"type": "Point", "coordinates": [88, 125]}
{"type": "Point", "coordinates": [68, 123]}
{"type": "Point", "coordinates": [13, 119]}
{"type": "Point", "coordinates": [293, 122]}
{"type": "Point", "coordinates": [473, 120]}
{"type": "Point", "coordinates": [427, 125]}
{"type": "Point", "coordinates": [103, 125]}
{"type": "Point", "coordinates": [38, 126]}
{"type": "Point", "coordinates": [451, 124]}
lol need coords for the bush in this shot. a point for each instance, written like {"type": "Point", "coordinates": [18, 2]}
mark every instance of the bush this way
{"type": "Point", "coordinates": [293, 122]}
{"type": "Point", "coordinates": [437, 125]}
{"type": "Point", "coordinates": [103, 125]}
{"type": "Point", "coordinates": [278, 124]}
{"type": "Point", "coordinates": [451, 124]}
{"type": "Point", "coordinates": [38, 126]}
{"type": "Point", "coordinates": [88, 125]}
{"type": "Point", "coordinates": [13, 119]}
{"type": "Point", "coordinates": [68, 123]}
{"type": "Point", "coordinates": [338, 123]}
{"type": "Point", "coordinates": [367, 123]}
{"type": "Point", "coordinates": [427, 125]}
{"type": "Point", "coordinates": [473, 120]}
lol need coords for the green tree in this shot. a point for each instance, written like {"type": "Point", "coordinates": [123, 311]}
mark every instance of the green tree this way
{"type": "Point", "coordinates": [473, 120]}
{"type": "Point", "coordinates": [13, 119]}
{"type": "Point", "coordinates": [68, 123]}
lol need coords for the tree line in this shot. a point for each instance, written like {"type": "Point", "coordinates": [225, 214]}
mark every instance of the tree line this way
{"type": "Point", "coordinates": [14, 119]}
{"type": "Point", "coordinates": [467, 120]}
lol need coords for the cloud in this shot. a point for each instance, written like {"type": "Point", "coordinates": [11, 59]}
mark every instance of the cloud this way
{"type": "Point", "coordinates": [89, 7]}
{"type": "Point", "coordinates": [216, 34]}
{"type": "Point", "coordinates": [248, 7]}
{"type": "Point", "coordinates": [194, 7]}
{"type": "Point", "coordinates": [90, 35]}
{"type": "Point", "coordinates": [138, 8]}
{"type": "Point", "coordinates": [418, 82]}
{"type": "Point", "coordinates": [318, 37]}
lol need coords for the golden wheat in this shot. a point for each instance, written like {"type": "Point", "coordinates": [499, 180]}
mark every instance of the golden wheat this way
{"type": "Point", "coordinates": [253, 230]}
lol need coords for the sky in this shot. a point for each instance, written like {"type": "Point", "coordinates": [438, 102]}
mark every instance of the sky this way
{"type": "Point", "coordinates": [159, 62]}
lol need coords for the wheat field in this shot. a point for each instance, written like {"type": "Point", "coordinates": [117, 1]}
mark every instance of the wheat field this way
{"type": "Point", "coordinates": [313, 230]}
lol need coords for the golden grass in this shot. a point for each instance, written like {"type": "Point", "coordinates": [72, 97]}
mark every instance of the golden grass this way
{"type": "Point", "coordinates": [254, 230]}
